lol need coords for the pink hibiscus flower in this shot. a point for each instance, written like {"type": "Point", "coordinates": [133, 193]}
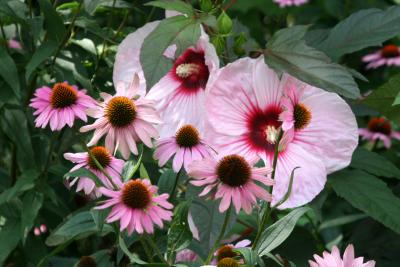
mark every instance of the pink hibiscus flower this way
{"type": "Point", "coordinates": [111, 165]}
{"type": "Point", "coordinates": [379, 129]}
{"type": "Point", "coordinates": [60, 105]}
{"type": "Point", "coordinates": [334, 259]}
{"type": "Point", "coordinates": [137, 206]}
{"type": "Point", "coordinates": [232, 178]}
{"type": "Point", "coordinates": [389, 55]}
{"type": "Point", "coordinates": [186, 145]}
{"type": "Point", "coordinates": [245, 108]}
{"type": "Point", "coordinates": [124, 120]}
{"type": "Point", "coordinates": [285, 3]}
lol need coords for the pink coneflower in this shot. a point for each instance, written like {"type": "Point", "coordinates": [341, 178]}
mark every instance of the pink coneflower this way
{"type": "Point", "coordinates": [244, 110]}
{"type": "Point", "coordinates": [334, 259]}
{"type": "Point", "coordinates": [285, 3]}
{"type": "Point", "coordinates": [137, 206]}
{"type": "Point", "coordinates": [111, 165]}
{"type": "Point", "coordinates": [14, 44]}
{"type": "Point", "coordinates": [226, 251]}
{"type": "Point", "coordinates": [379, 129]}
{"type": "Point", "coordinates": [186, 145]}
{"type": "Point", "coordinates": [233, 179]}
{"type": "Point", "coordinates": [60, 105]}
{"type": "Point", "coordinates": [124, 120]}
{"type": "Point", "coordinates": [37, 231]}
{"type": "Point", "coordinates": [186, 255]}
{"type": "Point", "coordinates": [389, 55]}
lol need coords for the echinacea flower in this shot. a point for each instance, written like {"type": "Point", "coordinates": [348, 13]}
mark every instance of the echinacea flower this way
{"type": "Point", "coordinates": [389, 55]}
{"type": "Point", "coordinates": [111, 165]}
{"type": "Point", "coordinates": [186, 255]}
{"type": "Point", "coordinates": [180, 94]}
{"type": "Point", "coordinates": [231, 178]}
{"type": "Point", "coordinates": [225, 262]}
{"type": "Point", "coordinates": [186, 145]}
{"type": "Point", "coordinates": [285, 3]}
{"type": "Point", "coordinates": [124, 120]}
{"type": "Point", "coordinates": [245, 108]}
{"type": "Point", "coordinates": [60, 105]}
{"type": "Point", "coordinates": [379, 129]}
{"type": "Point", "coordinates": [226, 251]}
{"type": "Point", "coordinates": [334, 259]}
{"type": "Point", "coordinates": [137, 206]}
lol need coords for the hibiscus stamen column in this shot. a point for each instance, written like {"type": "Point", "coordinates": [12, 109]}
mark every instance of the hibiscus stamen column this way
{"type": "Point", "coordinates": [267, 208]}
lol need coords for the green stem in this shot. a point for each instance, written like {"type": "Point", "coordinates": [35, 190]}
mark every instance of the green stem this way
{"type": "Point", "coordinates": [155, 248]}
{"type": "Point", "coordinates": [4, 37]}
{"type": "Point", "coordinates": [146, 249]}
{"type": "Point", "coordinates": [219, 238]}
{"type": "Point", "coordinates": [267, 208]}
{"type": "Point", "coordinates": [171, 197]}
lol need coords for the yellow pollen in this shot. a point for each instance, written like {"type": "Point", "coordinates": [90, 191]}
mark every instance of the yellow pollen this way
{"type": "Point", "coordinates": [186, 69]}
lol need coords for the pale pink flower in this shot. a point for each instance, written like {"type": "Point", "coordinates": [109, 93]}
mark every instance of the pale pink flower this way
{"type": "Point", "coordinates": [244, 108]}
{"type": "Point", "coordinates": [111, 165]}
{"type": "Point", "coordinates": [14, 44]}
{"type": "Point", "coordinates": [226, 251]}
{"type": "Point", "coordinates": [36, 231]}
{"type": "Point", "coordinates": [43, 228]}
{"type": "Point", "coordinates": [137, 206]}
{"type": "Point", "coordinates": [389, 55]}
{"type": "Point", "coordinates": [124, 120]}
{"type": "Point", "coordinates": [379, 129]}
{"type": "Point", "coordinates": [60, 105]}
{"type": "Point", "coordinates": [186, 255]}
{"type": "Point", "coordinates": [334, 259]}
{"type": "Point", "coordinates": [186, 145]}
{"type": "Point", "coordinates": [231, 178]}
{"type": "Point", "coordinates": [285, 3]}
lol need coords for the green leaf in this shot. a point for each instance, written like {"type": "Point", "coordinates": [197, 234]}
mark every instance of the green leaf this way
{"type": "Point", "coordinates": [83, 172]}
{"type": "Point", "coordinates": [374, 163]}
{"type": "Point", "coordinates": [25, 181]}
{"type": "Point", "coordinates": [130, 168]}
{"type": "Point", "coordinates": [10, 234]}
{"type": "Point", "coordinates": [369, 194]}
{"type": "Point", "coordinates": [52, 21]}
{"type": "Point", "coordinates": [341, 221]}
{"type": "Point", "coordinates": [78, 226]}
{"type": "Point", "coordinates": [288, 52]}
{"type": "Point", "coordinates": [15, 9]}
{"type": "Point", "coordinates": [91, 5]}
{"type": "Point", "coordinates": [277, 233]}
{"type": "Point", "coordinates": [44, 52]}
{"type": "Point", "coordinates": [166, 182]}
{"type": "Point", "coordinates": [250, 256]}
{"type": "Point", "coordinates": [133, 257]}
{"type": "Point", "coordinates": [176, 5]}
{"type": "Point", "coordinates": [143, 172]}
{"type": "Point", "coordinates": [31, 204]}
{"type": "Point", "coordinates": [99, 217]}
{"type": "Point", "coordinates": [178, 30]}
{"type": "Point", "coordinates": [289, 190]}
{"type": "Point", "coordinates": [365, 28]}
{"type": "Point", "coordinates": [8, 71]}
{"type": "Point", "coordinates": [382, 98]}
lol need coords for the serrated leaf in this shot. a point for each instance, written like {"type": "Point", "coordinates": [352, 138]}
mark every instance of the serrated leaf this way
{"type": "Point", "coordinates": [365, 28]}
{"type": "Point", "coordinates": [374, 163]}
{"type": "Point", "coordinates": [382, 98]}
{"type": "Point", "coordinates": [176, 5]}
{"type": "Point", "coordinates": [52, 21]}
{"type": "Point", "coordinates": [288, 52]}
{"type": "Point", "coordinates": [277, 233]}
{"type": "Point", "coordinates": [9, 72]}
{"type": "Point", "coordinates": [369, 194]}
{"type": "Point", "coordinates": [44, 52]}
{"type": "Point", "coordinates": [178, 30]}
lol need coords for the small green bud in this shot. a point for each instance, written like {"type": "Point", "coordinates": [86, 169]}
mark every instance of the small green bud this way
{"type": "Point", "coordinates": [224, 23]}
{"type": "Point", "coordinates": [219, 43]}
{"type": "Point", "coordinates": [238, 44]}
{"type": "Point", "coordinates": [206, 5]}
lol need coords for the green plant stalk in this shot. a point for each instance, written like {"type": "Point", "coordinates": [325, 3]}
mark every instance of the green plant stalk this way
{"type": "Point", "coordinates": [172, 196]}
{"type": "Point", "coordinates": [267, 208]}
{"type": "Point", "coordinates": [155, 248]}
{"type": "Point", "coordinates": [219, 238]}
{"type": "Point", "coordinates": [146, 249]}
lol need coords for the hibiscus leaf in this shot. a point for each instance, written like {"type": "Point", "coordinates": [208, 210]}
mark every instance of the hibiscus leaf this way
{"type": "Point", "coordinates": [288, 52]}
{"type": "Point", "coordinates": [369, 194]}
{"type": "Point", "coordinates": [178, 30]}
{"type": "Point", "coordinates": [365, 28]}
{"type": "Point", "coordinates": [277, 233]}
{"type": "Point", "coordinates": [176, 5]}
{"type": "Point", "coordinates": [382, 98]}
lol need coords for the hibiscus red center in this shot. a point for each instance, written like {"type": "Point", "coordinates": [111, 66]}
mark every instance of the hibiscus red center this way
{"type": "Point", "coordinates": [389, 51]}
{"type": "Point", "coordinates": [102, 156]}
{"type": "Point", "coordinates": [191, 70]}
{"type": "Point", "coordinates": [63, 95]}
{"type": "Point", "coordinates": [136, 195]}
{"type": "Point", "coordinates": [380, 125]}
{"type": "Point", "coordinates": [263, 128]}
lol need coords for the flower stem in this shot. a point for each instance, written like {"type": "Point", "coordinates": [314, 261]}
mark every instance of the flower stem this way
{"type": "Point", "coordinates": [171, 197]}
{"type": "Point", "coordinates": [220, 236]}
{"type": "Point", "coordinates": [146, 249]}
{"type": "Point", "coordinates": [267, 208]}
{"type": "Point", "coordinates": [155, 248]}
